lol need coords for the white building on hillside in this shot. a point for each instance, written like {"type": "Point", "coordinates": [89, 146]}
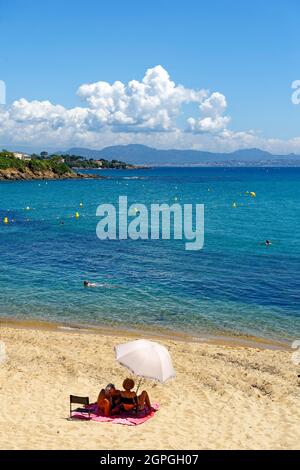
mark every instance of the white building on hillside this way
{"type": "Point", "coordinates": [22, 156]}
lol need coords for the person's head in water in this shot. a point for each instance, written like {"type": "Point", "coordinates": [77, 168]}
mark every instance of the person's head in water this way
{"type": "Point", "coordinates": [268, 242]}
{"type": "Point", "coordinates": [86, 283]}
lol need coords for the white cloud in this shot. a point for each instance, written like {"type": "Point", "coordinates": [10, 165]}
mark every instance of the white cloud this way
{"type": "Point", "coordinates": [150, 105]}
{"type": "Point", "coordinates": [212, 119]}
{"type": "Point", "coordinates": [145, 111]}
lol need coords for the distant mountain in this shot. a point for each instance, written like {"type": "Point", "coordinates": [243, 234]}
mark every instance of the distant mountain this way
{"type": "Point", "coordinates": [143, 155]}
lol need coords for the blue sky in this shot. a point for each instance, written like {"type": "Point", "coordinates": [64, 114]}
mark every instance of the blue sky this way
{"type": "Point", "coordinates": [246, 51]}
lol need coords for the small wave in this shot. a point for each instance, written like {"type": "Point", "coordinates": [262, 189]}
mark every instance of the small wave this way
{"type": "Point", "coordinates": [132, 178]}
{"type": "Point", "coordinates": [68, 328]}
{"type": "Point", "coordinates": [103, 285]}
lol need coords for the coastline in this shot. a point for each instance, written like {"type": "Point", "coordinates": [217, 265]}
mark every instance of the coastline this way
{"type": "Point", "coordinates": [13, 174]}
{"type": "Point", "coordinates": [223, 396]}
{"type": "Point", "coordinates": [241, 341]}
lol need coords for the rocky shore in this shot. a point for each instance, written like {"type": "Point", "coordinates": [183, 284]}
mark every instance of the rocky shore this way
{"type": "Point", "coordinates": [26, 174]}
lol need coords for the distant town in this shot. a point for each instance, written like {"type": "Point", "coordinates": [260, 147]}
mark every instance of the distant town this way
{"type": "Point", "coordinates": [135, 156]}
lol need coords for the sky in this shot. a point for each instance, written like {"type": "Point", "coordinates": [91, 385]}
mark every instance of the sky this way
{"type": "Point", "coordinates": [211, 75]}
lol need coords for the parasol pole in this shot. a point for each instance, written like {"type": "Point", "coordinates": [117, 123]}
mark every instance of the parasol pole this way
{"type": "Point", "coordinates": [138, 386]}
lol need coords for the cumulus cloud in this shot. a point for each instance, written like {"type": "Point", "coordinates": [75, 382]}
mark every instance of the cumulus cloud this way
{"type": "Point", "coordinates": [150, 105]}
{"type": "Point", "coordinates": [211, 119]}
{"type": "Point", "coordinates": [145, 111]}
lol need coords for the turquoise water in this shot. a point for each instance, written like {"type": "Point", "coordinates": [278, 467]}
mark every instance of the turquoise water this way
{"type": "Point", "coordinates": [234, 285]}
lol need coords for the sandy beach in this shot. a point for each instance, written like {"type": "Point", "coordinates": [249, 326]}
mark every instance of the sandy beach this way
{"type": "Point", "coordinates": [224, 397]}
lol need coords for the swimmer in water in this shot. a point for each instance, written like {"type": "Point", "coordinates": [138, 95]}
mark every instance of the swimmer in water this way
{"type": "Point", "coordinates": [266, 243]}
{"type": "Point", "coordinates": [96, 284]}
{"type": "Point", "coordinates": [89, 284]}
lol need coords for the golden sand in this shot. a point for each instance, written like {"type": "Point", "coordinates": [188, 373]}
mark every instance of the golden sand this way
{"type": "Point", "coordinates": [224, 397]}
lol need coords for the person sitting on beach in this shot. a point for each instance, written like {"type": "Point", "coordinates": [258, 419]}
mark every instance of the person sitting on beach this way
{"type": "Point", "coordinates": [109, 400]}
{"type": "Point", "coordinates": [130, 400]}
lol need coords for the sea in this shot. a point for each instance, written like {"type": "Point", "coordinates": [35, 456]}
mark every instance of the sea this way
{"type": "Point", "coordinates": [234, 286]}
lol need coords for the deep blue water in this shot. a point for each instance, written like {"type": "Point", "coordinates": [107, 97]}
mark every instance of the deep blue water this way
{"type": "Point", "coordinates": [234, 284]}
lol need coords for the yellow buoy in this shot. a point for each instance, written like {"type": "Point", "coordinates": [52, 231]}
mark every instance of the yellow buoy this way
{"type": "Point", "coordinates": [5, 220]}
{"type": "Point", "coordinates": [253, 194]}
{"type": "Point", "coordinates": [77, 215]}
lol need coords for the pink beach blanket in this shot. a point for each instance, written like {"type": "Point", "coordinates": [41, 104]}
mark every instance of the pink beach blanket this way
{"type": "Point", "coordinates": [128, 418]}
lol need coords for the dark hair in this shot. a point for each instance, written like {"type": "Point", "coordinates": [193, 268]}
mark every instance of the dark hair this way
{"type": "Point", "coordinates": [128, 384]}
{"type": "Point", "coordinates": [109, 387]}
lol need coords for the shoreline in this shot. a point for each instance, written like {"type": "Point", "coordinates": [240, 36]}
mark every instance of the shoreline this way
{"type": "Point", "coordinates": [13, 177]}
{"type": "Point", "coordinates": [238, 341]}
